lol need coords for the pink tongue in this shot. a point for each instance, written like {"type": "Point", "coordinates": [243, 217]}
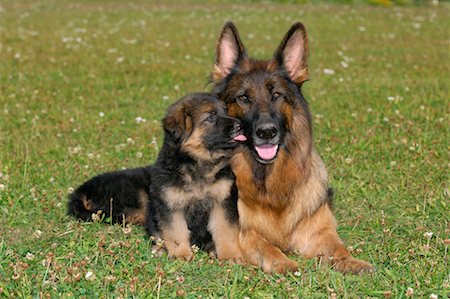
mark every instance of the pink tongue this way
{"type": "Point", "coordinates": [240, 138]}
{"type": "Point", "coordinates": [266, 151]}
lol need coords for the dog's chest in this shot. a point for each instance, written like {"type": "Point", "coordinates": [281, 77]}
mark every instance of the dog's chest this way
{"type": "Point", "coordinates": [178, 197]}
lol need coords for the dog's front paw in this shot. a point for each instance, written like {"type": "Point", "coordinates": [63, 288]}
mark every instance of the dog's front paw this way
{"type": "Point", "coordinates": [182, 251]}
{"type": "Point", "coordinates": [353, 265]}
{"type": "Point", "coordinates": [281, 265]}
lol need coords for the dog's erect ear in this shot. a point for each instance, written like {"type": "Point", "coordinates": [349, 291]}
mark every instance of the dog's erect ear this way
{"type": "Point", "coordinates": [229, 51]}
{"type": "Point", "coordinates": [178, 122]}
{"type": "Point", "coordinates": [292, 53]}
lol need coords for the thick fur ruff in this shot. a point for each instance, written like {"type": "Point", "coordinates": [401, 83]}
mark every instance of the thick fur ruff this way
{"type": "Point", "coordinates": [284, 200]}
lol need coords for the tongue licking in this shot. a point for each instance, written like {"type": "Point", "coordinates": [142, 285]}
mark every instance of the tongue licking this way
{"type": "Point", "coordinates": [266, 151]}
{"type": "Point", "coordinates": [240, 138]}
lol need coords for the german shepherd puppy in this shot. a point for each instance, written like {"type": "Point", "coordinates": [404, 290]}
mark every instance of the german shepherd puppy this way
{"type": "Point", "coordinates": [189, 195]}
{"type": "Point", "coordinates": [284, 201]}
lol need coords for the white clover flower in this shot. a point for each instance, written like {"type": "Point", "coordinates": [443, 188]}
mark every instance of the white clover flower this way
{"type": "Point", "coordinates": [409, 292]}
{"type": "Point", "coordinates": [428, 235]}
{"type": "Point", "coordinates": [95, 217]}
{"type": "Point", "coordinates": [140, 120]}
{"type": "Point", "coordinates": [195, 248]}
{"type": "Point", "coordinates": [37, 234]}
{"type": "Point", "coordinates": [90, 276]}
{"type": "Point", "coordinates": [328, 72]}
{"type": "Point", "coordinates": [29, 256]}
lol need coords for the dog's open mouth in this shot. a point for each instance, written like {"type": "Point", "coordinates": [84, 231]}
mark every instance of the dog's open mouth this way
{"type": "Point", "coordinates": [267, 152]}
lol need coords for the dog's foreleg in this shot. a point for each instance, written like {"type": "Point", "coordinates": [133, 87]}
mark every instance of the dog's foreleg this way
{"type": "Point", "coordinates": [316, 236]}
{"type": "Point", "coordinates": [259, 252]}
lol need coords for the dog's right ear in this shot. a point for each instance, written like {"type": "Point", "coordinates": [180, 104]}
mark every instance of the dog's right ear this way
{"type": "Point", "coordinates": [178, 122]}
{"type": "Point", "coordinates": [229, 51]}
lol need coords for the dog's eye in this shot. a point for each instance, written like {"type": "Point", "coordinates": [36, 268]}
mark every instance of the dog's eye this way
{"type": "Point", "coordinates": [212, 118]}
{"type": "Point", "coordinates": [243, 99]}
{"type": "Point", "coordinates": [276, 95]}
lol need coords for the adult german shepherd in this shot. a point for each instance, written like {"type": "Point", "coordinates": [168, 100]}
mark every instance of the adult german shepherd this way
{"type": "Point", "coordinates": [189, 195]}
{"type": "Point", "coordinates": [284, 200]}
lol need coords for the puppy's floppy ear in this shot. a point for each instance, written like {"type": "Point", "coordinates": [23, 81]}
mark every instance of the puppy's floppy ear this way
{"type": "Point", "coordinates": [229, 51]}
{"type": "Point", "coordinates": [292, 54]}
{"type": "Point", "coordinates": [178, 122]}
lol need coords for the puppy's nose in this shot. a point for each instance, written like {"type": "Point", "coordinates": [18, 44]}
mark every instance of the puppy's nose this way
{"type": "Point", "coordinates": [266, 131]}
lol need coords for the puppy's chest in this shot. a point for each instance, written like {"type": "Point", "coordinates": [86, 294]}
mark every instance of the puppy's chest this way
{"type": "Point", "coordinates": [190, 192]}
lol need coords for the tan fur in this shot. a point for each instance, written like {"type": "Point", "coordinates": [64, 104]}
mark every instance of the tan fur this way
{"type": "Point", "coordinates": [199, 186]}
{"type": "Point", "coordinates": [177, 237]}
{"type": "Point", "coordinates": [178, 197]}
{"type": "Point", "coordinates": [225, 236]}
{"type": "Point", "coordinates": [87, 203]}
{"type": "Point", "coordinates": [283, 205]}
{"type": "Point", "coordinates": [194, 146]}
{"type": "Point", "coordinates": [300, 221]}
{"type": "Point", "coordinates": [137, 216]}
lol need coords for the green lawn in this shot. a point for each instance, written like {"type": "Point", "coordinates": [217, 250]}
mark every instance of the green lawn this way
{"type": "Point", "coordinates": [83, 88]}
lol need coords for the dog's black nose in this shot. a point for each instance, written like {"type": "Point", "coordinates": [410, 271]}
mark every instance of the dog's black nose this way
{"type": "Point", "coordinates": [266, 131]}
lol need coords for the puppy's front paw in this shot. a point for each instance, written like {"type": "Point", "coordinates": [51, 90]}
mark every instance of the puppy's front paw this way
{"type": "Point", "coordinates": [182, 251]}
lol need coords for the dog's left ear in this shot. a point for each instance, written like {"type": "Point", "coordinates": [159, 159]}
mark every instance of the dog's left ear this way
{"type": "Point", "coordinates": [292, 53]}
{"type": "Point", "coordinates": [178, 122]}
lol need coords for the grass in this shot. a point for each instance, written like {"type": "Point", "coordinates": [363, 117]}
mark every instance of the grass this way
{"type": "Point", "coordinates": [84, 85]}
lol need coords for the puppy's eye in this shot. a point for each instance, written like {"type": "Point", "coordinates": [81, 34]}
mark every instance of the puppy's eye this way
{"type": "Point", "coordinates": [212, 118]}
{"type": "Point", "coordinates": [243, 99]}
{"type": "Point", "coordinates": [276, 95]}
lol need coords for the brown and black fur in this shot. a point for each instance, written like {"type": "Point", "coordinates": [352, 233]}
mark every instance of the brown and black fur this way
{"type": "Point", "coordinates": [284, 199]}
{"type": "Point", "coordinates": [121, 196]}
{"type": "Point", "coordinates": [190, 192]}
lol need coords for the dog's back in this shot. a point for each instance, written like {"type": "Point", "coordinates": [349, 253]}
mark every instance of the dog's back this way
{"type": "Point", "coordinates": [120, 195]}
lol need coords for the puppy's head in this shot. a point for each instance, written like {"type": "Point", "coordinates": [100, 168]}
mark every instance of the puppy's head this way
{"type": "Point", "coordinates": [199, 126]}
